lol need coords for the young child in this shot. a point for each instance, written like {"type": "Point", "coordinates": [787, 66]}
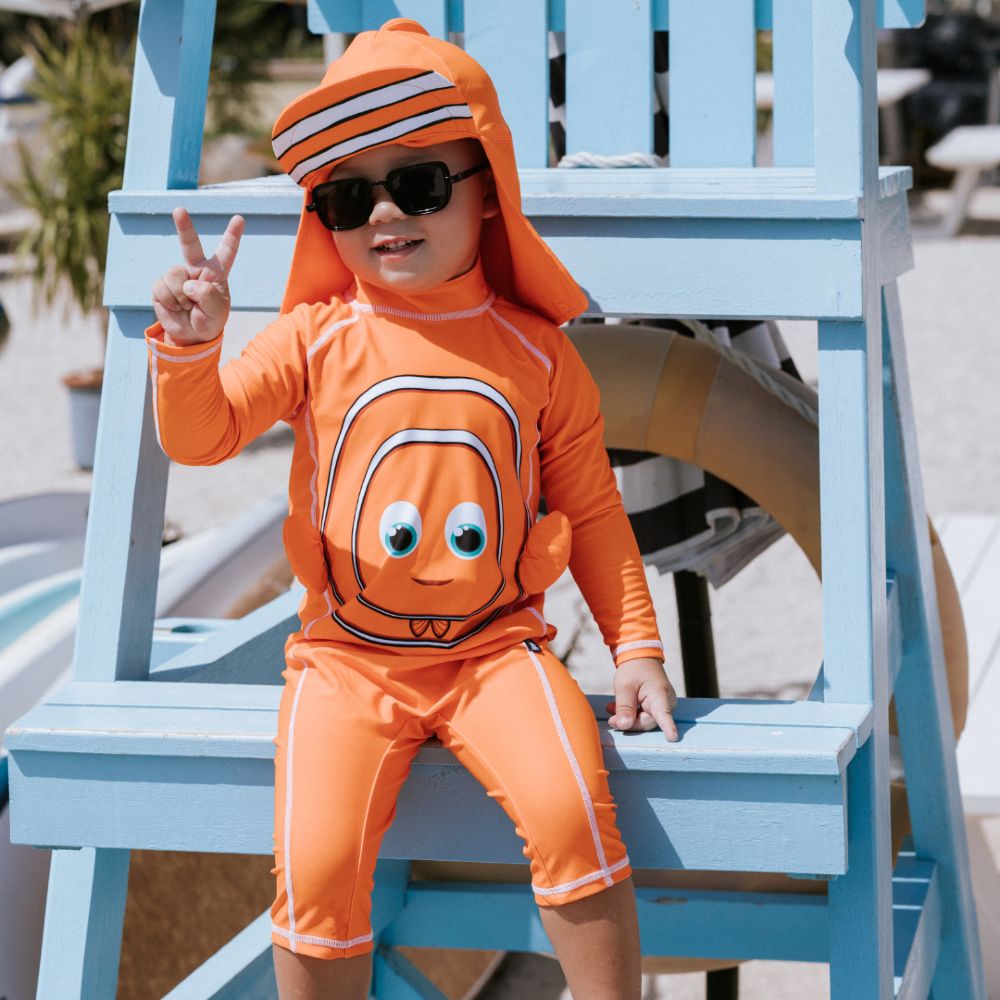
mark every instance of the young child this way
{"type": "Point", "coordinates": [434, 400]}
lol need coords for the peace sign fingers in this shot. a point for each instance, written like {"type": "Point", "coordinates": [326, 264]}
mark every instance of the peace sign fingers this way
{"type": "Point", "coordinates": [194, 254]}
{"type": "Point", "coordinates": [192, 301]}
{"type": "Point", "coordinates": [229, 243]}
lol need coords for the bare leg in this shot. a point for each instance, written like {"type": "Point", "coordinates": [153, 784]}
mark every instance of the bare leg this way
{"type": "Point", "coordinates": [302, 977]}
{"type": "Point", "coordinates": [597, 943]}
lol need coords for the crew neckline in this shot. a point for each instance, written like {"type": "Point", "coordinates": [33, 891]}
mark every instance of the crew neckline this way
{"type": "Point", "coordinates": [458, 298]}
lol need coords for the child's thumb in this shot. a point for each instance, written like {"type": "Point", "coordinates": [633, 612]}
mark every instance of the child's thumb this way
{"type": "Point", "coordinates": [212, 300]}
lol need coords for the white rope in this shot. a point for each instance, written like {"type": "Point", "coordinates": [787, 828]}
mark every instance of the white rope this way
{"type": "Point", "coordinates": [622, 160]}
{"type": "Point", "coordinates": [757, 371]}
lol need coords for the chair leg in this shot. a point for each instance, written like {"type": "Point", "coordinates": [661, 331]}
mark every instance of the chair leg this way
{"type": "Point", "coordinates": [84, 913]}
{"type": "Point", "coordinates": [701, 680]}
{"type": "Point", "coordinates": [694, 620]}
{"type": "Point", "coordinates": [927, 735]}
{"type": "Point", "coordinates": [396, 978]}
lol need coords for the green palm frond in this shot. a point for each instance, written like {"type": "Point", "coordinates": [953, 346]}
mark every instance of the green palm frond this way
{"type": "Point", "coordinates": [83, 76]}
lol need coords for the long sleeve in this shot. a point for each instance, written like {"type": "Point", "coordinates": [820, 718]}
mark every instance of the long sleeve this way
{"type": "Point", "coordinates": [577, 480]}
{"type": "Point", "coordinates": [203, 415]}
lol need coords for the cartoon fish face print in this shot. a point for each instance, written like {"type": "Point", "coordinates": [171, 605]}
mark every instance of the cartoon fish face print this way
{"type": "Point", "coordinates": [425, 515]}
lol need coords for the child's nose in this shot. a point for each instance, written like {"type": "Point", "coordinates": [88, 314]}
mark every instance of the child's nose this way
{"type": "Point", "coordinates": [384, 209]}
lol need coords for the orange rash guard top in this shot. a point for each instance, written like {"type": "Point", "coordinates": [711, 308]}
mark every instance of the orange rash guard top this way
{"type": "Point", "coordinates": [427, 427]}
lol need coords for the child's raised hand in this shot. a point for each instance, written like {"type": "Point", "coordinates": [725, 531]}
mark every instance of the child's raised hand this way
{"type": "Point", "coordinates": [644, 698]}
{"type": "Point", "coordinates": [191, 301]}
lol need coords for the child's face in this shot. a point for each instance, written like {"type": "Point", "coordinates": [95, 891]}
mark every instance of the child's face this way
{"type": "Point", "coordinates": [417, 253]}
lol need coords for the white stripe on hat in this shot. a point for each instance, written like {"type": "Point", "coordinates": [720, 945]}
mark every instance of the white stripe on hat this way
{"type": "Point", "coordinates": [386, 134]}
{"type": "Point", "coordinates": [361, 104]}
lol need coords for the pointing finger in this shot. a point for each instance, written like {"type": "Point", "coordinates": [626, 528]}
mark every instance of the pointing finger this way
{"type": "Point", "coordinates": [659, 709]}
{"type": "Point", "coordinates": [229, 243]}
{"type": "Point", "coordinates": [191, 246]}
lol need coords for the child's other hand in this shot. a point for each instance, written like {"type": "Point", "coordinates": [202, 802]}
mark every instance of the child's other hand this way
{"type": "Point", "coordinates": [644, 698]}
{"type": "Point", "coordinates": [191, 301]}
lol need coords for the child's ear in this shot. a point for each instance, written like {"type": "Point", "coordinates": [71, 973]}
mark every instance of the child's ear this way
{"type": "Point", "coordinates": [491, 204]}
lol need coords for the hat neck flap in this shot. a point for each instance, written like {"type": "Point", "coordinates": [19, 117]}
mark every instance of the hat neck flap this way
{"type": "Point", "coordinates": [399, 84]}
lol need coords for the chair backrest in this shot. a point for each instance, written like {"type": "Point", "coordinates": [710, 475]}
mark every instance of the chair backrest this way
{"type": "Point", "coordinates": [713, 63]}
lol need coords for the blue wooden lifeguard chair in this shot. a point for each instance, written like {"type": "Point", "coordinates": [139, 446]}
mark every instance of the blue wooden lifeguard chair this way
{"type": "Point", "coordinates": [140, 751]}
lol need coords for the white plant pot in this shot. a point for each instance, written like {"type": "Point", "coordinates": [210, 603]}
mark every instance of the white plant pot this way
{"type": "Point", "coordinates": [84, 407]}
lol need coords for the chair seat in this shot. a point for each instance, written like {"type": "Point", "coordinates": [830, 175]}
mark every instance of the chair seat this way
{"type": "Point", "coordinates": [170, 766]}
{"type": "Point", "coordinates": [638, 241]}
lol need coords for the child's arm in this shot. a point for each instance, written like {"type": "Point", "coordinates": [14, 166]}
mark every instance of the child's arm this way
{"type": "Point", "coordinates": [605, 561]}
{"type": "Point", "coordinates": [204, 416]}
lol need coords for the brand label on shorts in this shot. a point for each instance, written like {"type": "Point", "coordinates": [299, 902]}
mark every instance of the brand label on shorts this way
{"type": "Point", "coordinates": [532, 645]}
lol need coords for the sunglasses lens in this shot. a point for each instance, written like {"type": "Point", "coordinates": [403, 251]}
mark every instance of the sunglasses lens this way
{"type": "Point", "coordinates": [344, 204]}
{"type": "Point", "coordinates": [420, 189]}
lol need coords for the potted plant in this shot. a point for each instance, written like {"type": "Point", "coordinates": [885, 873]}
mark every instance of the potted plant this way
{"type": "Point", "coordinates": [83, 76]}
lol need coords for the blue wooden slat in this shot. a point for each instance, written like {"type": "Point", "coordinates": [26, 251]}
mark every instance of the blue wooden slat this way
{"type": "Point", "coordinates": [395, 977]}
{"type": "Point", "coordinates": [845, 110]}
{"type": "Point", "coordinates": [855, 644]}
{"type": "Point", "coordinates": [253, 697]}
{"type": "Point", "coordinates": [853, 519]}
{"type": "Point", "coordinates": [352, 16]}
{"type": "Point", "coordinates": [760, 712]}
{"type": "Point", "coordinates": [793, 84]}
{"type": "Point", "coordinates": [922, 702]}
{"type": "Point", "coordinates": [125, 525]}
{"type": "Point", "coordinates": [216, 724]}
{"type": "Point", "coordinates": [169, 86]}
{"type": "Point", "coordinates": [621, 263]}
{"type": "Point", "coordinates": [608, 111]}
{"type": "Point", "coordinates": [242, 969]}
{"type": "Point", "coordinates": [250, 651]}
{"type": "Point", "coordinates": [770, 926]}
{"type": "Point", "coordinates": [891, 13]}
{"type": "Point", "coordinates": [84, 912]}
{"type": "Point", "coordinates": [126, 695]}
{"type": "Point", "coordinates": [916, 905]}
{"type": "Point", "coordinates": [226, 804]}
{"type": "Point", "coordinates": [861, 901]}
{"type": "Point", "coordinates": [493, 33]}
{"type": "Point", "coordinates": [680, 193]}
{"type": "Point", "coordinates": [713, 118]}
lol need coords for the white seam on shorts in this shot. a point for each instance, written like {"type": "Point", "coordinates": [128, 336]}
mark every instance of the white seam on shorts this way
{"type": "Point", "coordinates": [313, 939]}
{"type": "Point", "coordinates": [584, 880]}
{"type": "Point", "coordinates": [288, 809]}
{"type": "Point", "coordinates": [588, 803]}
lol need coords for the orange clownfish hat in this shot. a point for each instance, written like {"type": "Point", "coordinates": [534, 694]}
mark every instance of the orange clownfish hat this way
{"type": "Point", "coordinates": [399, 84]}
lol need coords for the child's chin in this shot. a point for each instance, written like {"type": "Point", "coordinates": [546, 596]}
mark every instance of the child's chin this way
{"type": "Point", "coordinates": [401, 280]}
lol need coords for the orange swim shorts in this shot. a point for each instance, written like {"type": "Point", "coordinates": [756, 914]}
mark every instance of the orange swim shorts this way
{"type": "Point", "coordinates": [348, 728]}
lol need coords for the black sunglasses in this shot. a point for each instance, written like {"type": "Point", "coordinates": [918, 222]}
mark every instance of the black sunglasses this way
{"type": "Point", "coordinates": [418, 189]}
